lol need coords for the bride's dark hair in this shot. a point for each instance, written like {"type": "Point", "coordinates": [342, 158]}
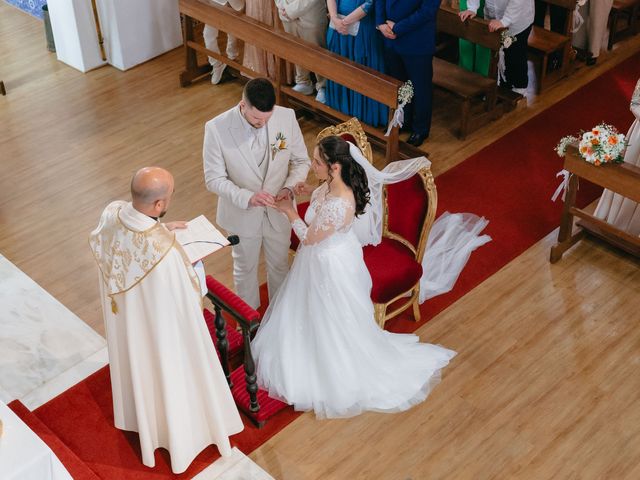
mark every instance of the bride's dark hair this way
{"type": "Point", "coordinates": [334, 150]}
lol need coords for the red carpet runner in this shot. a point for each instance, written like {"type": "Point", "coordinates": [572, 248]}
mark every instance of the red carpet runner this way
{"type": "Point", "coordinates": [510, 182]}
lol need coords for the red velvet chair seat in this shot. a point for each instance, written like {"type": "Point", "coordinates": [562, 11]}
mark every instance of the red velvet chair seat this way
{"type": "Point", "coordinates": [268, 406]}
{"type": "Point", "coordinates": [393, 269]}
{"type": "Point", "coordinates": [234, 338]}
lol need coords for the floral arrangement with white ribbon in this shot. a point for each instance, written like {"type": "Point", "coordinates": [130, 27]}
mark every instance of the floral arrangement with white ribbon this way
{"type": "Point", "coordinates": [598, 146]}
{"type": "Point", "coordinates": [506, 41]}
{"type": "Point", "coordinates": [405, 95]}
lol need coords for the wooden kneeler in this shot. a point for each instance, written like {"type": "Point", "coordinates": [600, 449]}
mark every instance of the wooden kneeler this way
{"type": "Point", "coordinates": [253, 402]}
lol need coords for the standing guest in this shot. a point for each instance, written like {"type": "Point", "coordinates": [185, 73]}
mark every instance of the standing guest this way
{"type": "Point", "coordinates": [409, 30]}
{"type": "Point", "coordinates": [473, 57]}
{"type": "Point", "coordinates": [613, 208]}
{"type": "Point", "coordinates": [351, 34]}
{"type": "Point", "coordinates": [210, 35]}
{"type": "Point", "coordinates": [256, 58]}
{"type": "Point", "coordinates": [517, 16]}
{"type": "Point", "coordinates": [306, 19]}
{"type": "Point", "coordinates": [254, 155]}
{"type": "Point", "coordinates": [166, 379]}
{"type": "Point", "coordinates": [591, 35]}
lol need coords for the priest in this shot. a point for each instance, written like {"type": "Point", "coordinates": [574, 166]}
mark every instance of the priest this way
{"type": "Point", "coordinates": [166, 379]}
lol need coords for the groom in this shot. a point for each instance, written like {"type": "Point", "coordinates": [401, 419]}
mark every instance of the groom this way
{"type": "Point", "coordinates": [254, 154]}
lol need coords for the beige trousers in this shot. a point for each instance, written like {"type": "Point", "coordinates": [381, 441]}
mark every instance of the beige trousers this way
{"type": "Point", "coordinates": [313, 32]}
{"type": "Point", "coordinates": [592, 34]}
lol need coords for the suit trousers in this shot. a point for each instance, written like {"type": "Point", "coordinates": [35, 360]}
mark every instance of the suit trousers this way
{"type": "Point", "coordinates": [246, 257]}
{"type": "Point", "coordinates": [210, 35]}
{"type": "Point", "coordinates": [418, 69]}
{"type": "Point", "coordinates": [515, 61]}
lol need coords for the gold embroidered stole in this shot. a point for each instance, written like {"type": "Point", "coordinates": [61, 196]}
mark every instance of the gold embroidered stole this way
{"type": "Point", "coordinates": [125, 256]}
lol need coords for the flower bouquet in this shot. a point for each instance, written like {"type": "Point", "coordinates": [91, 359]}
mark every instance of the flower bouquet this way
{"type": "Point", "coordinates": [602, 144]}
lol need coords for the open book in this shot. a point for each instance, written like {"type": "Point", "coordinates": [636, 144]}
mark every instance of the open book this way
{"type": "Point", "coordinates": [200, 238]}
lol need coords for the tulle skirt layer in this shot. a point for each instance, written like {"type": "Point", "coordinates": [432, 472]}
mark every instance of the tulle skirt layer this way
{"type": "Point", "coordinates": [320, 349]}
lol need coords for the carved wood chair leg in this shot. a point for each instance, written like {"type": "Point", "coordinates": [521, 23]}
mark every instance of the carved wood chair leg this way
{"type": "Point", "coordinates": [380, 310]}
{"type": "Point", "coordinates": [416, 308]}
{"type": "Point", "coordinates": [250, 372]}
{"type": "Point", "coordinates": [223, 344]}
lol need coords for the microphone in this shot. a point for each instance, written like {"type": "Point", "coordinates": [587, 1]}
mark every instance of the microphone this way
{"type": "Point", "coordinates": [233, 239]}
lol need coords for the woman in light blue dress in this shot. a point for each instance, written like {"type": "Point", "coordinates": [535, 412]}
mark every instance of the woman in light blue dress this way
{"type": "Point", "coordinates": [365, 48]}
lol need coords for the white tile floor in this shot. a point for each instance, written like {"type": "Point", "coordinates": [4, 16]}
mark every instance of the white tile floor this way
{"type": "Point", "coordinates": [40, 340]}
{"type": "Point", "coordinates": [236, 467]}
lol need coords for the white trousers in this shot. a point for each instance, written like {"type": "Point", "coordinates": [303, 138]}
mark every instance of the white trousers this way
{"type": "Point", "coordinates": [210, 35]}
{"type": "Point", "coordinates": [246, 256]}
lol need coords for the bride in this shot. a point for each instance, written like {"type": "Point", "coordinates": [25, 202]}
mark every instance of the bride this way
{"type": "Point", "coordinates": [318, 346]}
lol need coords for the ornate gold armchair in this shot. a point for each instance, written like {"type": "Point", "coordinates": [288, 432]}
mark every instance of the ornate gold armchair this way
{"type": "Point", "coordinates": [395, 264]}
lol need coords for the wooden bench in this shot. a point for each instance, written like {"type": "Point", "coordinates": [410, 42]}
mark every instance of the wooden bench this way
{"type": "Point", "coordinates": [466, 85]}
{"type": "Point", "coordinates": [623, 178]}
{"type": "Point", "coordinates": [288, 48]}
{"type": "Point", "coordinates": [624, 20]}
{"type": "Point", "coordinates": [543, 43]}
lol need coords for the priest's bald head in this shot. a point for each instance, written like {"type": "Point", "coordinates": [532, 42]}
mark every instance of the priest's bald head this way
{"type": "Point", "coordinates": [151, 191]}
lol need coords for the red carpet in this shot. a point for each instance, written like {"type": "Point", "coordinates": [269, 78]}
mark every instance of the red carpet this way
{"type": "Point", "coordinates": [510, 182]}
{"type": "Point", "coordinates": [82, 417]}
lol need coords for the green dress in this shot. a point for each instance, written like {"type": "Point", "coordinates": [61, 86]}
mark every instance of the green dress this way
{"type": "Point", "coordinates": [474, 57]}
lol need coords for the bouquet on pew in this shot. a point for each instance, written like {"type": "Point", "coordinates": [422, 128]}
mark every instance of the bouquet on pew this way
{"type": "Point", "coordinates": [602, 144]}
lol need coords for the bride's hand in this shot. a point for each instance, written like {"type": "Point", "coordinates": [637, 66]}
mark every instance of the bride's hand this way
{"type": "Point", "coordinates": [302, 188]}
{"type": "Point", "coordinates": [285, 205]}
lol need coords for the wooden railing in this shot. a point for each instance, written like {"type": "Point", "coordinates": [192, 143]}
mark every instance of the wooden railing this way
{"type": "Point", "coordinates": [287, 48]}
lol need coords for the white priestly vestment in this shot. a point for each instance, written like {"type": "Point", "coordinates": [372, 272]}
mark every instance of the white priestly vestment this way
{"type": "Point", "coordinates": [167, 382]}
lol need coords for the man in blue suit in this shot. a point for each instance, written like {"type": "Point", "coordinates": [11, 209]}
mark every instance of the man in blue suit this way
{"type": "Point", "coordinates": [409, 30]}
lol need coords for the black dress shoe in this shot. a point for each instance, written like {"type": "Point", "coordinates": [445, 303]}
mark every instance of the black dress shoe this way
{"type": "Point", "coordinates": [591, 61]}
{"type": "Point", "coordinates": [416, 139]}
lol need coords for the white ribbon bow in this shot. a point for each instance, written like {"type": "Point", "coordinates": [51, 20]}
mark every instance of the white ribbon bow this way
{"type": "Point", "coordinates": [397, 120]}
{"type": "Point", "coordinates": [564, 185]}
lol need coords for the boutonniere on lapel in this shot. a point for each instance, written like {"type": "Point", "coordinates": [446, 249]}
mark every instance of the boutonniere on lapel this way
{"type": "Point", "coordinates": [279, 145]}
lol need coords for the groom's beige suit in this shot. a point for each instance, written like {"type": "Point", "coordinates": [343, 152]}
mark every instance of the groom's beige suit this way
{"type": "Point", "coordinates": [236, 167]}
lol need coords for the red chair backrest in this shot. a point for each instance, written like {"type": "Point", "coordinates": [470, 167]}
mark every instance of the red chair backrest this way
{"type": "Point", "coordinates": [407, 207]}
{"type": "Point", "coordinates": [349, 138]}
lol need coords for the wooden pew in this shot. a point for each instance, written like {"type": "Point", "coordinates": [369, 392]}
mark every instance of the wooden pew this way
{"type": "Point", "coordinates": [542, 43]}
{"type": "Point", "coordinates": [621, 178]}
{"type": "Point", "coordinates": [466, 85]}
{"type": "Point", "coordinates": [624, 20]}
{"type": "Point", "coordinates": [285, 47]}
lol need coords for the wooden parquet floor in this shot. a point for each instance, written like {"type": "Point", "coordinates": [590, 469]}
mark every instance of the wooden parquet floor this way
{"type": "Point", "coordinates": [545, 385]}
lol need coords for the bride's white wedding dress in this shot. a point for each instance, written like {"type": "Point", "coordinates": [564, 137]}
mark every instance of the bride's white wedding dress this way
{"type": "Point", "coordinates": [319, 347]}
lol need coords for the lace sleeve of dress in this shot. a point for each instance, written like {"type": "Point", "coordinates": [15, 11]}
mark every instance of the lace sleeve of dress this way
{"type": "Point", "coordinates": [331, 217]}
{"type": "Point", "coordinates": [300, 228]}
{"type": "Point", "coordinates": [635, 98]}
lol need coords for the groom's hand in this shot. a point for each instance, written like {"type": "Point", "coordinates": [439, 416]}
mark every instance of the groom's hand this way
{"type": "Point", "coordinates": [284, 193]}
{"type": "Point", "coordinates": [262, 199]}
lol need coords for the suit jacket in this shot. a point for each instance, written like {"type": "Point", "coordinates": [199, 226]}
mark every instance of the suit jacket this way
{"type": "Point", "coordinates": [415, 25]}
{"type": "Point", "coordinates": [231, 171]}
